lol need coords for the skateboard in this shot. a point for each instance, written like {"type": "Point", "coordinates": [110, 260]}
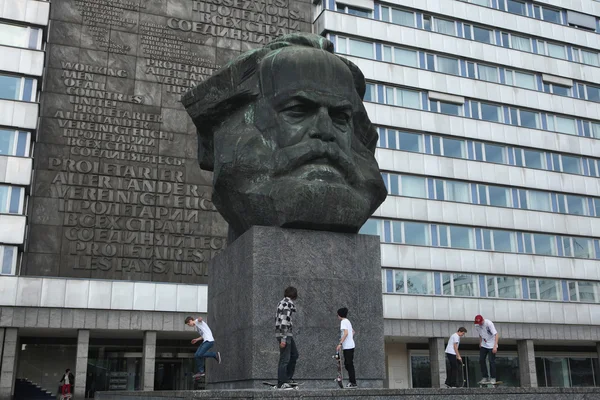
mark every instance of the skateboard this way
{"type": "Point", "coordinates": [490, 385]}
{"type": "Point", "coordinates": [274, 385]}
{"type": "Point", "coordinates": [340, 377]}
{"type": "Point", "coordinates": [462, 379]}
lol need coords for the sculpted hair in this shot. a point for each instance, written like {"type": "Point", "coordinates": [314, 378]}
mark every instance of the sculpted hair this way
{"type": "Point", "coordinates": [237, 84]}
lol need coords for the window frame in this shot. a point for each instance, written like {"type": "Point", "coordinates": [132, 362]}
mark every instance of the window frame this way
{"type": "Point", "coordinates": [30, 30]}
{"type": "Point", "coordinates": [22, 82]}
{"type": "Point", "coordinates": [15, 259]}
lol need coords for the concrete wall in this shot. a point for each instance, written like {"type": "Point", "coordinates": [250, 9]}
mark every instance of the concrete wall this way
{"type": "Point", "coordinates": [398, 365]}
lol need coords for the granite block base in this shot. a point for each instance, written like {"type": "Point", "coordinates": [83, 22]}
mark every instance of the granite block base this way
{"type": "Point", "coordinates": [330, 270]}
{"type": "Point", "coordinates": [370, 394]}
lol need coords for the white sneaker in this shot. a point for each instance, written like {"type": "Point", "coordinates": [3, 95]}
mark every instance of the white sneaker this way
{"type": "Point", "coordinates": [484, 381]}
{"type": "Point", "coordinates": [493, 381]}
{"type": "Point", "coordinates": [286, 386]}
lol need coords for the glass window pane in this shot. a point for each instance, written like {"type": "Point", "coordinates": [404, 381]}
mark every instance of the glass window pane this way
{"type": "Point", "coordinates": [485, 3]}
{"type": "Point", "coordinates": [416, 233]}
{"type": "Point", "coordinates": [371, 227]}
{"type": "Point", "coordinates": [397, 231]}
{"type": "Point", "coordinates": [557, 372]}
{"type": "Point", "coordinates": [10, 87]}
{"type": "Point", "coordinates": [494, 153]}
{"type": "Point", "coordinates": [447, 284]}
{"type": "Point", "coordinates": [387, 53]}
{"type": "Point", "coordinates": [551, 15]}
{"type": "Point", "coordinates": [453, 148]}
{"type": "Point", "coordinates": [582, 248]}
{"type": "Point", "coordinates": [486, 73]}
{"type": "Point", "coordinates": [342, 45]}
{"type": "Point", "coordinates": [533, 292]}
{"type": "Point", "coordinates": [561, 90]}
{"type": "Point", "coordinates": [582, 372]}
{"type": "Point", "coordinates": [465, 285]}
{"type": "Point", "coordinates": [590, 58]}
{"type": "Point", "coordinates": [523, 80]}
{"type": "Point", "coordinates": [399, 279]}
{"type": "Point", "coordinates": [491, 286]}
{"type": "Point", "coordinates": [405, 57]}
{"type": "Point", "coordinates": [22, 144]}
{"type": "Point", "coordinates": [403, 17]}
{"type": "Point", "coordinates": [445, 26]}
{"type": "Point", "coordinates": [420, 371]}
{"type": "Point", "coordinates": [571, 164]}
{"type": "Point", "coordinates": [414, 186]}
{"type": "Point", "coordinates": [573, 291]}
{"type": "Point", "coordinates": [4, 199]}
{"type": "Point", "coordinates": [13, 35]}
{"type": "Point", "coordinates": [482, 34]}
{"type": "Point", "coordinates": [458, 191]}
{"type": "Point", "coordinates": [593, 93]}
{"type": "Point", "coordinates": [566, 125]}
{"type": "Point", "coordinates": [550, 289]}
{"type": "Point", "coordinates": [504, 241]}
{"type": "Point", "coordinates": [461, 237]}
{"type": "Point", "coordinates": [586, 292]}
{"type": "Point", "coordinates": [410, 142]}
{"type": "Point", "coordinates": [408, 98]}
{"type": "Point", "coordinates": [370, 92]}
{"type": "Point", "coordinates": [576, 205]}
{"type": "Point", "coordinates": [544, 244]}
{"type": "Point", "coordinates": [389, 96]}
{"type": "Point", "coordinates": [490, 112]}
{"type": "Point", "coordinates": [556, 50]}
{"type": "Point", "coordinates": [499, 196]}
{"type": "Point", "coordinates": [8, 259]}
{"type": "Point", "coordinates": [450, 108]}
{"type": "Point", "coordinates": [447, 65]}
{"type": "Point", "coordinates": [520, 43]}
{"type": "Point", "coordinates": [538, 200]}
{"type": "Point", "coordinates": [515, 7]}
{"type": "Point", "coordinates": [529, 119]}
{"type": "Point", "coordinates": [7, 142]}
{"type": "Point", "coordinates": [509, 287]}
{"type": "Point", "coordinates": [15, 200]}
{"type": "Point", "coordinates": [534, 159]}
{"type": "Point", "coordinates": [361, 49]}
{"type": "Point", "coordinates": [360, 12]}
{"type": "Point", "coordinates": [418, 282]}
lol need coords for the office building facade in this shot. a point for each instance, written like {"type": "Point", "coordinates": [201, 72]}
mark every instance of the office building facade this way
{"type": "Point", "coordinates": [488, 118]}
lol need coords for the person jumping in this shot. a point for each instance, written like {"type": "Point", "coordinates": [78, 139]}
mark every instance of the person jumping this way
{"type": "Point", "coordinates": [207, 341]}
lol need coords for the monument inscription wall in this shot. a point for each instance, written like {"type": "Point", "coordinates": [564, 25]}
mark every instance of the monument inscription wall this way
{"type": "Point", "coordinates": [118, 193]}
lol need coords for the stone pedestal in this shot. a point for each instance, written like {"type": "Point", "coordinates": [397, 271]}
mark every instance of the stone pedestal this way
{"type": "Point", "coordinates": [330, 270]}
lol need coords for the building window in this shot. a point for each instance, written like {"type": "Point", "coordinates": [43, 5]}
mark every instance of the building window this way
{"type": "Point", "coordinates": [20, 36]}
{"type": "Point", "coordinates": [399, 17]}
{"type": "Point", "coordinates": [444, 26]}
{"type": "Point", "coordinates": [17, 88]}
{"type": "Point", "coordinates": [483, 35]}
{"type": "Point", "coordinates": [559, 90]}
{"type": "Point", "coordinates": [14, 143]}
{"type": "Point", "coordinates": [8, 260]}
{"type": "Point", "coordinates": [586, 57]}
{"type": "Point", "coordinates": [359, 12]}
{"type": "Point", "coordinates": [515, 7]}
{"type": "Point", "coordinates": [11, 199]}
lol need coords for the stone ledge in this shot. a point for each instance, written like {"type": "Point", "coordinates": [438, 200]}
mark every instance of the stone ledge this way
{"type": "Point", "coordinates": [372, 394]}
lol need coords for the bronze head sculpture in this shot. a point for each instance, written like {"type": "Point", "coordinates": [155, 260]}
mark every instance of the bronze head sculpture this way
{"type": "Point", "coordinates": [287, 136]}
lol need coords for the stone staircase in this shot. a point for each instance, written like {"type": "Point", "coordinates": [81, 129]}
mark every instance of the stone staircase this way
{"type": "Point", "coordinates": [27, 390]}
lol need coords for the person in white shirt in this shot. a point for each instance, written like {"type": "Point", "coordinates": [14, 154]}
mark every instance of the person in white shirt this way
{"type": "Point", "coordinates": [347, 345]}
{"type": "Point", "coordinates": [488, 346]}
{"type": "Point", "coordinates": [453, 357]}
{"type": "Point", "coordinates": [207, 341]}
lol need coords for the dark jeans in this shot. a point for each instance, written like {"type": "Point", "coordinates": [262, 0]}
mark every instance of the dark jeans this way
{"type": "Point", "coordinates": [483, 353]}
{"type": "Point", "coordinates": [452, 374]}
{"type": "Point", "coordinates": [287, 361]}
{"type": "Point", "coordinates": [203, 353]}
{"type": "Point", "coordinates": [349, 364]}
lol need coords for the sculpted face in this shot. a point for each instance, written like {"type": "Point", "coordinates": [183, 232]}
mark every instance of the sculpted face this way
{"type": "Point", "coordinates": [293, 157]}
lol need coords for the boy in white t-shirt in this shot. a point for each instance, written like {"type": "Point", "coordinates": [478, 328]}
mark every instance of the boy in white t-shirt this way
{"type": "Point", "coordinates": [347, 344]}
{"type": "Point", "coordinates": [488, 347]}
{"type": "Point", "coordinates": [207, 340]}
{"type": "Point", "coordinates": [453, 357]}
